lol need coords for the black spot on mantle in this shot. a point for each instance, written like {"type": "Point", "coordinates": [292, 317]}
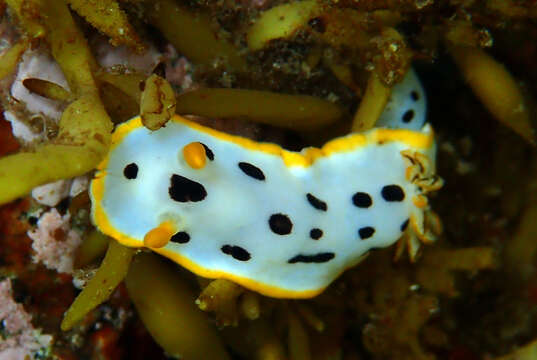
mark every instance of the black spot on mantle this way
{"type": "Point", "coordinates": [392, 193]}
{"type": "Point", "coordinates": [316, 202]}
{"type": "Point", "coordinates": [317, 258]}
{"type": "Point", "coordinates": [181, 237]}
{"type": "Point", "coordinates": [408, 116]}
{"type": "Point", "coordinates": [404, 225]}
{"type": "Point", "coordinates": [362, 200]}
{"type": "Point", "coordinates": [280, 224]}
{"type": "Point", "coordinates": [252, 171]}
{"type": "Point", "coordinates": [208, 152]}
{"type": "Point", "coordinates": [366, 232]}
{"type": "Point", "coordinates": [316, 233]}
{"type": "Point", "coordinates": [184, 190]}
{"type": "Point", "coordinates": [237, 252]}
{"type": "Point", "coordinates": [131, 171]}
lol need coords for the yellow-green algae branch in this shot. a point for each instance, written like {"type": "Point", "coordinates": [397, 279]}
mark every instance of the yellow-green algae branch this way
{"type": "Point", "coordinates": [10, 58]}
{"type": "Point", "coordinates": [192, 35]}
{"type": "Point", "coordinates": [166, 306]}
{"type": "Point", "coordinates": [298, 339]}
{"type": "Point", "coordinates": [47, 89]}
{"type": "Point", "coordinates": [112, 271]}
{"type": "Point", "coordinates": [372, 105]}
{"type": "Point", "coordinates": [496, 88]}
{"type": "Point", "coordinates": [26, 11]}
{"type": "Point", "coordinates": [81, 144]}
{"type": "Point", "coordinates": [526, 352]}
{"type": "Point", "coordinates": [84, 129]}
{"type": "Point", "coordinates": [299, 112]}
{"type": "Point", "coordinates": [108, 18]}
{"type": "Point", "coordinates": [93, 247]}
{"type": "Point", "coordinates": [281, 21]}
{"type": "Point", "coordinates": [221, 297]}
{"type": "Point", "coordinates": [69, 47]}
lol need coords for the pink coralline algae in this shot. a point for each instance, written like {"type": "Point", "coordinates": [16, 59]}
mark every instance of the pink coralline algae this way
{"type": "Point", "coordinates": [178, 69]}
{"type": "Point", "coordinates": [20, 340]}
{"type": "Point", "coordinates": [109, 56]}
{"type": "Point", "coordinates": [54, 242]}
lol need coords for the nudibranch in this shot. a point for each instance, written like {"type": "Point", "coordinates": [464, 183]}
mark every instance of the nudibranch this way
{"type": "Point", "coordinates": [282, 223]}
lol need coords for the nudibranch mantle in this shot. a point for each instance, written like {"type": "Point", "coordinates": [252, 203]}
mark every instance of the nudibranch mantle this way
{"type": "Point", "coordinates": [282, 223]}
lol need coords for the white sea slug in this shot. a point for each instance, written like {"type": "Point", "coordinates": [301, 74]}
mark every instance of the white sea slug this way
{"type": "Point", "coordinates": [282, 223]}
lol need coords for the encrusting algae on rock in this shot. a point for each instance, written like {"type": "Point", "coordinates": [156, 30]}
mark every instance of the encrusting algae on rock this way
{"type": "Point", "coordinates": [300, 79]}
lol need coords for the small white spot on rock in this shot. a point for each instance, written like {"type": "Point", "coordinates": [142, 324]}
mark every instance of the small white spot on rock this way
{"type": "Point", "coordinates": [20, 130]}
{"type": "Point", "coordinates": [38, 65]}
{"type": "Point", "coordinates": [79, 185]}
{"type": "Point", "coordinates": [51, 194]}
